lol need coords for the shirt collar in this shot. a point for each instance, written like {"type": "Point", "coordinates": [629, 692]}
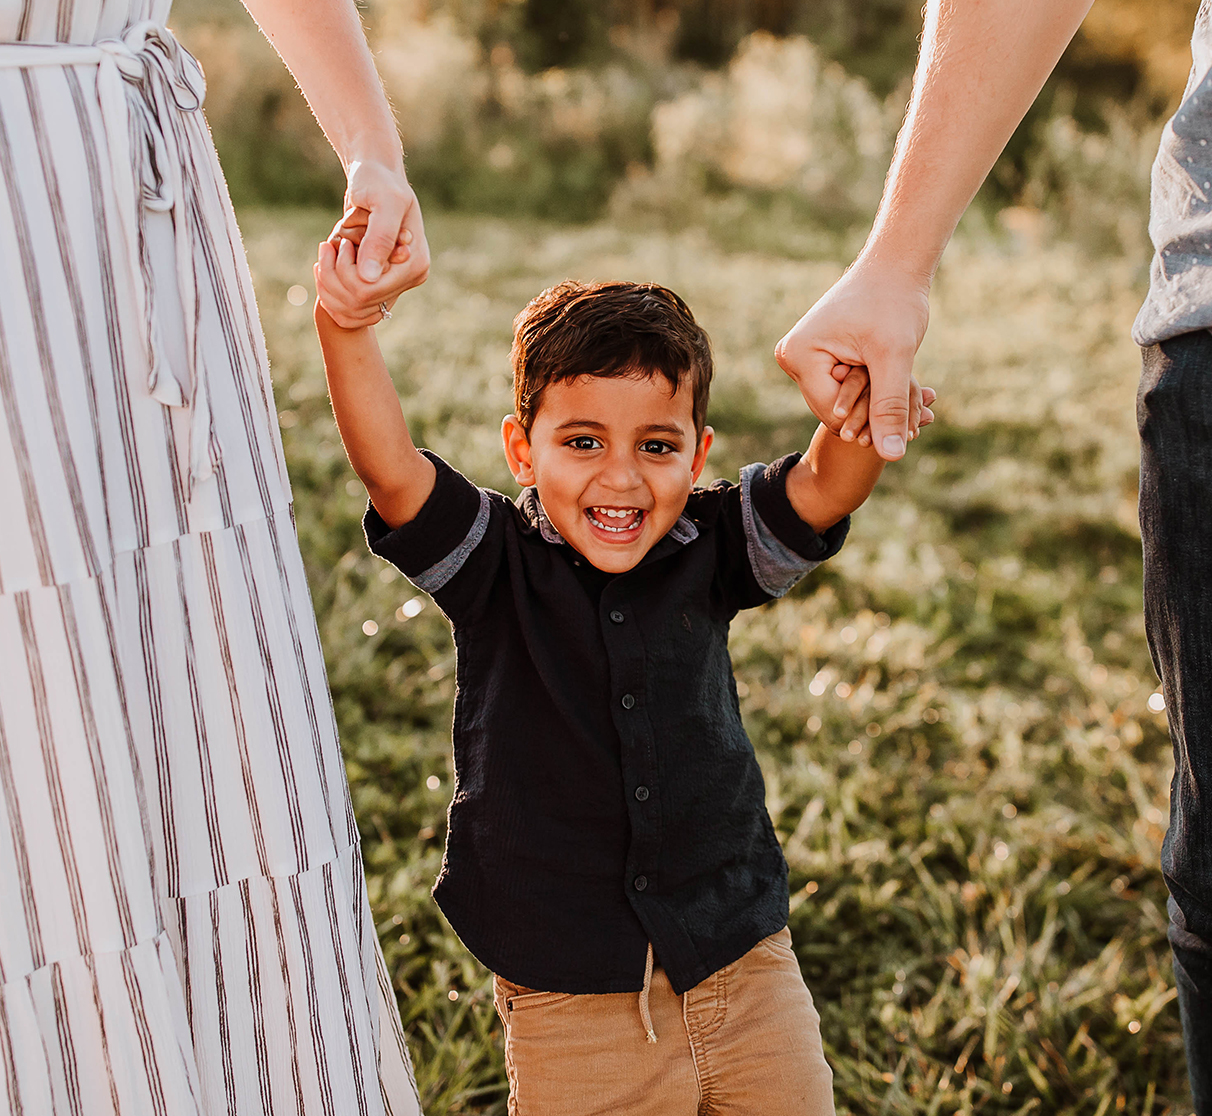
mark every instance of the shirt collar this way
{"type": "Point", "coordinates": [682, 532]}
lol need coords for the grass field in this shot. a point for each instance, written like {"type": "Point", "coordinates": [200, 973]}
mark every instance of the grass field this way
{"type": "Point", "coordinates": [951, 714]}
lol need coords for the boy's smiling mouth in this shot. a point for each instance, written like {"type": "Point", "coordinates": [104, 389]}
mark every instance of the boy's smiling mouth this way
{"type": "Point", "coordinates": [616, 521]}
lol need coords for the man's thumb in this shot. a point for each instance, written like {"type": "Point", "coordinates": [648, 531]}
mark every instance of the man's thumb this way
{"type": "Point", "coordinates": [889, 414]}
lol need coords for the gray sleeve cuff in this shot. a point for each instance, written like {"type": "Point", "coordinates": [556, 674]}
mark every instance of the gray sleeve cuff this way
{"type": "Point", "coordinates": [431, 548]}
{"type": "Point", "coordinates": [776, 567]}
{"type": "Point", "coordinates": [432, 579]}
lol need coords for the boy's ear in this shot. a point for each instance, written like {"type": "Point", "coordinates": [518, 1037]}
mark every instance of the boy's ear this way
{"type": "Point", "coordinates": [517, 450]}
{"type": "Point", "coordinates": [700, 452]}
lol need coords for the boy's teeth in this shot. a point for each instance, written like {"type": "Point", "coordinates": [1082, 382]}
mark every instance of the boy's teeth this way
{"type": "Point", "coordinates": [601, 517]}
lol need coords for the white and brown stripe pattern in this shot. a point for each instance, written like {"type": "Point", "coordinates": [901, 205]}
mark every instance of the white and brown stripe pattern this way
{"type": "Point", "coordinates": [183, 916]}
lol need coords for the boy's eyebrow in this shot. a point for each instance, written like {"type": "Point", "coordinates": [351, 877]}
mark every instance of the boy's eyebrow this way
{"type": "Point", "coordinates": [664, 428]}
{"type": "Point", "coordinates": [651, 428]}
{"type": "Point", "coordinates": [581, 422]}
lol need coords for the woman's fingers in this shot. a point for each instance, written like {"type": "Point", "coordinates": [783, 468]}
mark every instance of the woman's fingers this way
{"type": "Point", "coordinates": [381, 204]}
{"type": "Point", "coordinates": [915, 406]}
{"type": "Point", "coordinates": [403, 248]}
{"type": "Point", "coordinates": [412, 241]}
{"type": "Point", "coordinates": [340, 297]}
{"type": "Point", "coordinates": [383, 229]}
{"type": "Point", "coordinates": [353, 225]}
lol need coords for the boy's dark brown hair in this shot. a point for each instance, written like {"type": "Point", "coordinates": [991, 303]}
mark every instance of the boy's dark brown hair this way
{"type": "Point", "coordinates": [607, 329]}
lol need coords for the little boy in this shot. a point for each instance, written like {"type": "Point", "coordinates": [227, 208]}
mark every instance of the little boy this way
{"type": "Point", "coordinates": [609, 855]}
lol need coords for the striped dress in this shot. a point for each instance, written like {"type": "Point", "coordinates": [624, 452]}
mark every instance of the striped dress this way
{"type": "Point", "coordinates": [184, 925]}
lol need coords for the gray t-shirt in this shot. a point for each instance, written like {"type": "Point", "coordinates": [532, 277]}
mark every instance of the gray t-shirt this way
{"type": "Point", "coordinates": [1180, 215]}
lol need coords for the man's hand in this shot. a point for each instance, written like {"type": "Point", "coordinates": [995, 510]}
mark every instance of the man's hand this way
{"type": "Point", "coordinates": [852, 405]}
{"type": "Point", "coordinates": [874, 317]}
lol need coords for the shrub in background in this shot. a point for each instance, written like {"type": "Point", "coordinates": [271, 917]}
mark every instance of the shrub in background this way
{"type": "Point", "coordinates": [779, 118]}
{"type": "Point", "coordinates": [1094, 185]}
{"type": "Point", "coordinates": [271, 148]}
{"type": "Point", "coordinates": [485, 134]}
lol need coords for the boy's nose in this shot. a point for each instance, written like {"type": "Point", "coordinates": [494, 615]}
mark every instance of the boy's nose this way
{"type": "Point", "coordinates": [620, 473]}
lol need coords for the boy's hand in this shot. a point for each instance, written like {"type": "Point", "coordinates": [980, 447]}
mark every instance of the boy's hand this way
{"type": "Point", "coordinates": [349, 299]}
{"type": "Point", "coordinates": [341, 292]}
{"type": "Point", "coordinates": [353, 226]}
{"type": "Point", "coordinates": [852, 406]}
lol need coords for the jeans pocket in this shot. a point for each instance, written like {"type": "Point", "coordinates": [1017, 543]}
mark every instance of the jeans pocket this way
{"type": "Point", "coordinates": [779, 944]}
{"type": "Point", "coordinates": [515, 997]}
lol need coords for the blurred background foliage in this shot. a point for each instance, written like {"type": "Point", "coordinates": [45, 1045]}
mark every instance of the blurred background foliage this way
{"type": "Point", "coordinates": [571, 109]}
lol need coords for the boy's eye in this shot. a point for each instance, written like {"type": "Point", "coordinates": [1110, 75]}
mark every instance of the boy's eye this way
{"type": "Point", "coordinates": [584, 442]}
{"type": "Point", "coordinates": [659, 448]}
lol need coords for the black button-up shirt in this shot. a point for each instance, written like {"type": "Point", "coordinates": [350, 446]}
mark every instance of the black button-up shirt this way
{"type": "Point", "coordinates": [606, 795]}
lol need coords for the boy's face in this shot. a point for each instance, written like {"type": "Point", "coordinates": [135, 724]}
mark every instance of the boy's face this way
{"type": "Point", "coordinates": [613, 459]}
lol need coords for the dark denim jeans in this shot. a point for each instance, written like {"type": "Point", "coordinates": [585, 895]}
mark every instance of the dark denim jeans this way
{"type": "Point", "coordinates": [1174, 415]}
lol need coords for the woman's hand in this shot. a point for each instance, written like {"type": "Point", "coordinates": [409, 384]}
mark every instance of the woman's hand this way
{"type": "Point", "coordinates": [323, 44]}
{"type": "Point", "coordinates": [350, 301]}
{"type": "Point", "coordinates": [381, 204]}
{"type": "Point", "coordinates": [395, 226]}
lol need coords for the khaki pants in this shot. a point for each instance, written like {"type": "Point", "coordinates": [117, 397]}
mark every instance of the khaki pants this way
{"type": "Point", "coordinates": [746, 1042]}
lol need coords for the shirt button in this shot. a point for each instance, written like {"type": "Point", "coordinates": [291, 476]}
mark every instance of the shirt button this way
{"type": "Point", "coordinates": [641, 794]}
{"type": "Point", "coordinates": [617, 616]}
{"type": "Point", "coordinates": [640, 882]}
{"type": "Point", "coordinates": [628, 701]}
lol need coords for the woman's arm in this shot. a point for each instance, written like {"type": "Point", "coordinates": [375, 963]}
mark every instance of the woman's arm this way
{"type": "Point", "coordinates": [398, 477]}
{"type": "Point", "coordinates": [323, 45]}
{"type": "Point", "coordinates": [982, 63]}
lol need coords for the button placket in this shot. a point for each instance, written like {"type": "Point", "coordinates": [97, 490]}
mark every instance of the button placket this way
{"type": "Point", "coordinates": [624, 640]}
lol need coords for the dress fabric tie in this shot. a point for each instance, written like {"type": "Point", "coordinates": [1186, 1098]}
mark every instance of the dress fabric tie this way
{"type": "Point", "coordinates": [145, 81]}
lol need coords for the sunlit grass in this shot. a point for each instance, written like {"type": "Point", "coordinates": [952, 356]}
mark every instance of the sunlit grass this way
{"type": "Point", "coordinates": [951, 715]}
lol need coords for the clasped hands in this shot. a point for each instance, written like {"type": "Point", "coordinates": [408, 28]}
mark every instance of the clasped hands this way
{"type": "Point", "coordinates": [376, 251]}
{"type": "Point", "coordinates": [852, 355]}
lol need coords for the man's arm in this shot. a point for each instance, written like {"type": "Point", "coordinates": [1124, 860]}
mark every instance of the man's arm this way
{"type": "Point", "coordinates": [398, 477]}
{"type": "Point", "coordinates": [982, 63]}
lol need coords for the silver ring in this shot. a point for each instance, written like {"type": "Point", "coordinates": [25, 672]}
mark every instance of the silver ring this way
{"type": "Point", "coordinates": [384, 311]}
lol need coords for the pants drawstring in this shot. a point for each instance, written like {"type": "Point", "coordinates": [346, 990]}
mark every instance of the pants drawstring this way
{"type": "Point", "coordinates": [645, 1015]}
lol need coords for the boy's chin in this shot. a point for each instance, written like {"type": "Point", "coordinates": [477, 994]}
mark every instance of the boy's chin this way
{"type": "Point", "coordinates": [612, 561]}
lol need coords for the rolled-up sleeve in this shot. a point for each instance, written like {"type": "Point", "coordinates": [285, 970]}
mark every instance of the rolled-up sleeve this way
{"type": "Point", "coordinates": [782, 548]}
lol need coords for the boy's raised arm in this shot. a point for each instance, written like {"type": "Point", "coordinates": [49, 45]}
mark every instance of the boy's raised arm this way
{"type": "Point", "coordinates": [398, 478]}
{"type": "Point", "coordinates": [832, 479]}
{"type": "Point", "coordinates": [839, 470]}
